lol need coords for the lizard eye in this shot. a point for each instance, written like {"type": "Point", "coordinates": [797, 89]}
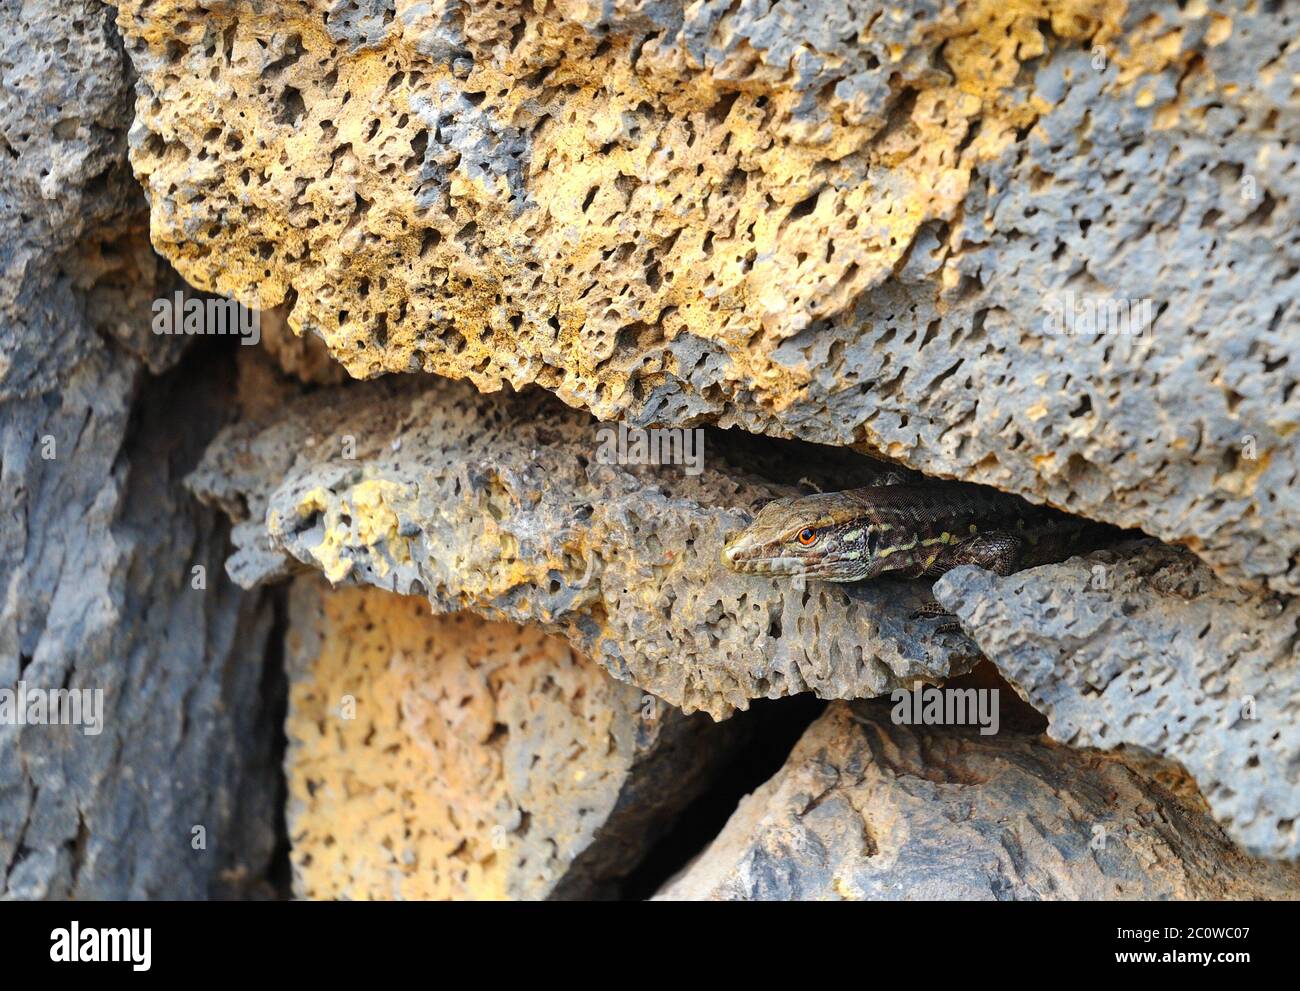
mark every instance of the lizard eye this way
{"type": "Point", "coordinates": [807, 536]}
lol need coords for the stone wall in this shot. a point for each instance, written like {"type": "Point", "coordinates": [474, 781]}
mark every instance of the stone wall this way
{"type": "Point", "coordinates": [1047, 247]}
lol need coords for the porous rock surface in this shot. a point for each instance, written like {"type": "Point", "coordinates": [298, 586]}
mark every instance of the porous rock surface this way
{"type": "Point", "coordinates": [75, 261]}
{"type": "Point", "coordinates": [841, 222]}
{"type": "Point", "coordinates": [98, 540]}
{"type": "Point", "coordinates": [500, 505]}
{"type": "Point", "coordinates": [1145, 648]}
{"type": "Point", "coordinates": [868, 810]}
{"type": "Point", "coordinates": [436, 757]}
{"type": "Point", "coordinates": [845, 222]}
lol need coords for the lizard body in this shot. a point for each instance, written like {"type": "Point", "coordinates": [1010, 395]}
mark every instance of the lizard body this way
{"type": "Point", "coordinates": [904, 531]}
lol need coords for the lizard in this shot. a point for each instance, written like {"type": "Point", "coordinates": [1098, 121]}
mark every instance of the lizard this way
{"type": "Point", "coordinates": [908, 530]}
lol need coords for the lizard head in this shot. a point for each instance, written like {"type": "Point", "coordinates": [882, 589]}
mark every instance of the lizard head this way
{"type": "Point", "coordinates": [820, 536]}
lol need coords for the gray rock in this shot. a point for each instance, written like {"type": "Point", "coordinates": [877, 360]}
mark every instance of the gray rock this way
{"type": "Point", "coordinates": [65, 183]}
{"type": "Point", "coordinates": [98, 541]}
{"type": "Point", "coordinates": [97, 559]}
{"type": "Point", "coordinates": [502, 506]}
{"type": "Point", "coordinates": [1148, 649]}
{"type": "Point", "coordinates": [868, 810]}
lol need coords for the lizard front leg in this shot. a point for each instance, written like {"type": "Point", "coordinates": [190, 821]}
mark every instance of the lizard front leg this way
{"type": "Point", "coordinates": [997, 552]}
{"type": "Point", "coordinates": [932, 610]}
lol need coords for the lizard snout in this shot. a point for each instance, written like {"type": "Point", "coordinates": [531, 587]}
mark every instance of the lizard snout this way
{"type": "Point", "coordinates": [731, 541]}
{"type": "Point", "coordinates": [733, 546]}
{"type": "Point", "coordinates": [729, 554]}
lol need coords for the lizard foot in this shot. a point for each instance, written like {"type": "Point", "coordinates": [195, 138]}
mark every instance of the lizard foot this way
{"type": "Point", "coordinates": [932, 610]}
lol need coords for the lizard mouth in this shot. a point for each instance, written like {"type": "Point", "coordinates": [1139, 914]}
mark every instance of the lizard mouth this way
{"type": "Point", "coordinates": [750, 558]}
{"type": "Point", "coordinates": [765, 565]}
